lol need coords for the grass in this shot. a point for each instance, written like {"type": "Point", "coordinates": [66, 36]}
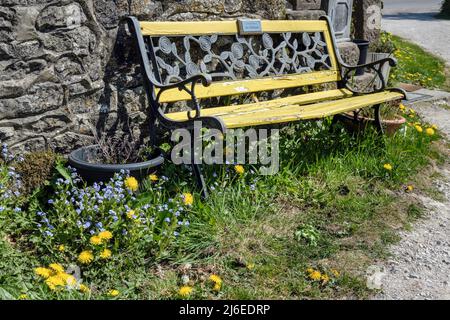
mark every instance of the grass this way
{"type": "Point", "coordinates": [332, 208]}
{"type": "Point", "coordinates": [416, 66]}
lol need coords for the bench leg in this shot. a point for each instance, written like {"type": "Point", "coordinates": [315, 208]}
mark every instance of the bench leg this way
{"type": "Point", "coordinates": [197, 170]}
{"type": "Point", "coordinates": [378, 124]}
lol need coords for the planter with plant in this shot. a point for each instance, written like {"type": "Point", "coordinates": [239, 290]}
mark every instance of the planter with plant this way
{"type": "Point", "coordinates": [110, 155]}
{"type": "Point", "coordinates": [391, 115]}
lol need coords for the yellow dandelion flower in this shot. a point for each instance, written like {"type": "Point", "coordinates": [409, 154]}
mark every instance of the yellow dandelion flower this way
{"type": "Point", "coordinates": [43, 272]}
{"type": "Point", "coordinates": [54, 282]}
{"type": "Point", "coordinates": [429, 131]}
{"type": "Point", "coordinates": [188, 199]}
{"type": "Point", "coordinates": [250, 266]}
{"type": "Point", "coordinates": [315, 275]}
{"type": "Point", "coordinates": [95, 240]}
{"type": "Point", "coordinates": [105, 254]}
{"type": "Point", "coordinates": [418, 128]}
{"type": "Point", "coordinates": [434, 127]}
{"type": "Point", "coordinates": [23, 296]}
{"type": "Point", "coordinates": [105, 235]}
{"type": "Point", "coordinates": [215, 278]}
{"type": "Point", "coordinates": [131, 214]}
{"type": "Point", "coordinates": [239, 169]}
{"type": "Point", "coordinates": [86, 257]}
{"type": "Point", "coordinates": [310, 270]}
{"type": "Point", "coordinates": [217, 287]}
{"type": "Point", "coordinates": [153, 177]}
{"type": "Point", "coordinates": [402, 107]}
{"type": "Point", "coordinates": [185, 291]}
{"type": "Point", "coordinates": [409, 188]}
{"type": "Point", "coordinates": [113, 293]}
{"type": "Point", "coordinates": [131, 183]}
{"type": "Point", "coordinates": [325, 278]}
{"type": "Point", "coordinates": [335, 272]}
{"type": "Point", "coordinates": [387, 166]}
{"type": "Point", "coordinates": [61, 248]}
{"type": "Point", "coordinates": [56, 267]}
{"type": "Point", "coordinates": [84, 288]}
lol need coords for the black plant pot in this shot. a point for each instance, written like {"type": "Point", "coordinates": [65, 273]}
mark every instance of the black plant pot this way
{"type": "Point", "coordinates": [96, 172]}
{"type": "Point", "coordinates": [363, 46]}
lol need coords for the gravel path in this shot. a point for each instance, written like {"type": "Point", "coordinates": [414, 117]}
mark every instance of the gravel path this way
{"type": "Point", "coordinates": [420, 264]}
{"type": "Point", "coordinates": [415, 21]}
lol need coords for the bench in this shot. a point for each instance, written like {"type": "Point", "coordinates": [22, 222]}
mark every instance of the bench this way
{"type": "Point", "coordinates": [193, 61]}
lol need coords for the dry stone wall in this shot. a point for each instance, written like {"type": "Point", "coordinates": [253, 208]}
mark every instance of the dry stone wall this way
{"type": "Point", "coordinates": [65, 71]}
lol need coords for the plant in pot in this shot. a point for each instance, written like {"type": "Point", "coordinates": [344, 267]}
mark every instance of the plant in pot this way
{"type": "Point", "coordinates": [384, 47]}
{"type": "Point", "coordinates": [114, 154]}
{"type": "Point", "coordinates": [391, 114]}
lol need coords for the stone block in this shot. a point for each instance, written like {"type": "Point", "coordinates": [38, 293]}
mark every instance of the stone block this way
{"type": "Point", "coordinates": [307, 4]}
{"type": "Point", "coordinates": [305, 14]}
{"type": "Point", "coordinates": [55, 17]}
{"type": "Point", "coordinates": [349, 52]}
{"type": "Point", "coordinates": [367, 19]}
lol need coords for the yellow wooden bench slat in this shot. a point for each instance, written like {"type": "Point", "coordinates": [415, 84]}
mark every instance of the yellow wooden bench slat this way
{"type": "Point", "coordinates": [227, 88]}
{"type": "Point", "coordinates": [196, 28]}
{"type": "Point", "coordinates": [269, 113]}
{"type": "Point", "coordinates": [306, 98]}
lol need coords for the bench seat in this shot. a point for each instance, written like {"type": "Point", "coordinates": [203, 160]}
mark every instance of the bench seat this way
{"type": "Point", "coordinates": [300, 107]}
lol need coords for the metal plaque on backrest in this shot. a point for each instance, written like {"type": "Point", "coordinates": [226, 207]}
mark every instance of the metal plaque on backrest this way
{"type": "Point", "coordinates": [249, 27]}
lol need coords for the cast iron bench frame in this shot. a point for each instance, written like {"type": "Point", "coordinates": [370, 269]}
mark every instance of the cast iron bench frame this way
{"type": "Point", "coordinates": [185, 89]}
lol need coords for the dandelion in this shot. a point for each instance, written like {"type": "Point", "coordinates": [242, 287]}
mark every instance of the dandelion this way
{"type": "Point", "coordinates": [43, 272]}
{"type": "Point", "coordinates": [54, 282]}
{"type": "Point", "coordinates": [86, 257]}
{"type": "Point", "coordinates": [217, 287]}
{"type": "Point", "coordinates": [131, 183]}
{"type": "Point", "coordinates": [95, 240]}
{"type": "Point", "coordinates": [188, 199]}
{"type": "Point", "coordinates": [250, 266]}
{"type": "Point", "coordinates": [335, 272]}
{"type": "Point", "coordinates": [153, 177]}
{"type": "Point", "coordinates": [56, 267]}
{"type": "Point", "coordinates": [215, 278]}
{"type": "Point", "coordinates": [310, 270]}
{"type": "Point", "coordinates": [23, 296]}
{"type": "Point", "coordinates": [418, 128]}
{"type": "Point", "coordinates": [315, 275]}
{"type": "Point", "coordinates": [387, 166]}
{"type": "Point", "coordinates": [434, 127]}
{"type": "Point", "coordinates": [61, 248]}
{"type": "Point", "coordinates": [84, 288]}
{"type": "Point", "coordinates": [131, 214]}
{"type": "Point", "coordinates": [429, 131]}
{"type": "Point", "coordinates": [105, 254]}
{"type": "Point", "coordinates": [185, 291]}
{"type": "Point", "coordinates": [105, 235]}
{"type": "Point", "coordinates": [402, 107]}
{"type": "Point", "coordinates": [409, 188]}
{"type": "Point", "coordinates": [113, 293]}
{"type": "Point", "coordinates": [325, 278]}
{"type": "Point", "coordinates": [239, 169]}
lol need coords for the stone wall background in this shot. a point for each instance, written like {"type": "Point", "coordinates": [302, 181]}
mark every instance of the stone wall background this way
{"type": "Point", "coordinates": [62, 67]}
{"type": "Point", "coordinates": [66, 71]}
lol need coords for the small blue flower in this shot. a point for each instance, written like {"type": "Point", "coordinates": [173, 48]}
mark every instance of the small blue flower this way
{"type": "Point", "coordinates": [17, 209]}
{"type": "Point", "coordinates": [50, 201]}
{"type": "Point", "coordinates": [176, 234]}
{"type": "Point", "coordinates": [167, 219]}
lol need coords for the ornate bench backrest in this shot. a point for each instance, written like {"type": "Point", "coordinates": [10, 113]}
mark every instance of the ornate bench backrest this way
{"type": "Point", "coordinates": [286, 54]}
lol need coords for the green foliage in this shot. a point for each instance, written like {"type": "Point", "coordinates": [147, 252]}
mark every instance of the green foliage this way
{"type": "Point", "coordinates": [35, 169]}
{"type": "Point", "coordinates": [416, 66]}
{"type": "Point", "coordinates": [330, 207]}
{"type": "Point", "coordinates": [445, 9]}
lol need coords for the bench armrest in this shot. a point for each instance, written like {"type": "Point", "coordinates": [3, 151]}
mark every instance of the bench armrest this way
{"type": "Point", "coordinates": [376, 66]}
{"type": "Point", "coordinates": [204, 78]}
